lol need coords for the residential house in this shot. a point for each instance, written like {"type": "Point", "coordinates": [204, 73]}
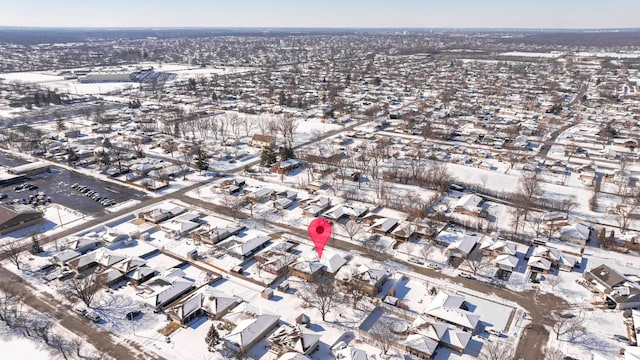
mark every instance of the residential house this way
{"type": "Point", "coordinates": [82, 244]}
{"type": "Point", "coordinates": [63, 257]}
{"type": "Point", "coordinates": [446, 336]}
{"type": "Point", "coordinates": [293, 338]}
{"type": "Point", "coordinates": [208, 301]}
{"type": "Point", "coordinates": [349, 353]}
{"type": "Point", "coordinates": [263, 141]}
{"type": "Point", "coordinates": [306, 269]}
{"type": "Point", "coordinates": [341, 211]}
{"type": "Point", "coordinates": [181, 224]}
{"type": "Point", "coordinates": [366, 279]}
{"type": "Point", "coordinates": [546, 252]}
{"type": "Point", "coordinates": [383, 226]}
{"type": "Point", "coordinates": [576, 233]}
{"type": "Point", "coordinates": [506, 262]}
{"type": "Point", "coordinates": [244, 248]}
{"type": "Point", "coordinates": [619, 292]}
{"type": "Point", "coordinates": [285, 167]}
{"type": "Point", "coordinates": [141, 274]}
{"type": "Point", "coordinates": [448, 308]}
{"type": "Point", "coordinates": [261, 195]}
{"type": "Point", "coordinates": [249, 332]}
{"type": "Point", "coordinates": [314, 207]}
{"type": "Point", "coordinates": [539, 264]}
{"type": "Point", "coordinates": [166, 288]}
{"type": "Point", "coordinates": [496, 247]}
{"type": "Point", "coordinates": [111, 236]}
{"type": "Point", "coordinates": [470, 204]}
{"type": "Point", "coordinates": [212, 234]}
{"type": "Point", "coordinates": [462, 247]}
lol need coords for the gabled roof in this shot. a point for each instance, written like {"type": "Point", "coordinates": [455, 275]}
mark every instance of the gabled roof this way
{"type": "Point", "coordinates": [549, 253]}
{"type": "Point", "coordinates": [421, 343]}
{"type": "Point", "coordinates": [248, 331]}
{"type": "Point", "coordinates": [447, 307]}
{"type": "Point", "coordinates": [464, 245]}
{"type": "Point", "coordinates": [539, 262]}
{"type": "Point", "coordinates": [504, 247]}
{"type": "Point", "coordinates": [469, 202]}
{"type": "Point", "coordinates": [508, 261]}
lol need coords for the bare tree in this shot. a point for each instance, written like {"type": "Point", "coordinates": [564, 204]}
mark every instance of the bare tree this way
{"type": "Point", "coordinates": [288, 126]}
{"type": "Point", "coordinates": [9, 305]}
{"type": "Point", "coordinates": [85, 287]}
{"type": "Point", "coordinates": [553, 281]}
{"type": "Point", "coordinates": [496, 350]}
{"type": "Point", "coordinates": [352, 228]}
{"type": "Point", "coordinates": [76, 343]}
{"type": "Point", "coordinates": [566, 323]}
{"type": "Point", "coordinates": [323, 295]}
{"type": "Point", "coordinates": [60, 345]}
{"type": "Point", "coordinates": [553, 354]}
{"type": "Point", "coordinates": [477, 263]}
{"type": "Point", "coordinates": [528, 189]}
{"type": "Point", "coordinates": [372, 248]}
{"type": "Point", "coordinates": [234, 204]}
{"type": "Point", "coordinates": [381, 334]}
{"type": "Point", "coordinates": [12, 250]}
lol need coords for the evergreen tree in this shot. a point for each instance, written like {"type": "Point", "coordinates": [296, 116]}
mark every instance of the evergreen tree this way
{"type": "Point", "coordinates": [286, 153]}
{"type": "Point", "coordinates": [213, 337]}
{"type": "Point", "coordinates": [202, 162]}
{"type": "Point", "coordinates": [268, 156]}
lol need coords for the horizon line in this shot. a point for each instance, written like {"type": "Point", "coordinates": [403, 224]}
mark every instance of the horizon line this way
{"type": "Point", "coordinates": [314, 28]}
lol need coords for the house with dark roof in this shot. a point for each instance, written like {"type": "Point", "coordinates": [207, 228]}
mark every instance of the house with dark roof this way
{"type": "Point", "coordinates": [15, 217]}
{"type": "Point", "coordinates": [618, 291]}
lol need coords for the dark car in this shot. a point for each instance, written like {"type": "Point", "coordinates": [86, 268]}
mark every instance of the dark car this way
{"type": "Point", "coordinates": [131, 315]}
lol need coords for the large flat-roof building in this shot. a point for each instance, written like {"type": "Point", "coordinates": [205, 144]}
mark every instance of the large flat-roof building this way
{"type": "Point", "coordinates": [16, 217]}
{"type": "Point", "coordinates": [31, 169]}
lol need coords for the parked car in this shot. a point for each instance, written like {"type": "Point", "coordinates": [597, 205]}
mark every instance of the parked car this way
{"type": "Point", "coordinates": [415, 260]}
{"type": "Point", "coordinates": [493, 331]}
{"type": "Point", "coordinates": [622, 339]}
{"type": "Point", "coordinates": [433, 266]}
{"type": "Point", "coordinates": [133, 314]}
{"type": "Point", "coordinates": [466, 275]}
{"type": "Point", "coordinates": [80, 310]}
{"type": "Point", "coordinates": [93, 316]}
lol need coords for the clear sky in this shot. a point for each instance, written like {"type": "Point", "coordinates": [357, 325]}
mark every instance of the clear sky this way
{"type": "Point", "coordinates": [322, 13]}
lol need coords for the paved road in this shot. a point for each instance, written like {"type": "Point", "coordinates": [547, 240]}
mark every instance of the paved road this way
{"type": "Point", "coordinates": [103, 341]}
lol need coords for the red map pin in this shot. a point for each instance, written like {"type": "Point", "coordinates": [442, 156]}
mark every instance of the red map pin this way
{"type": "Point", "coordinates": [319, 231]}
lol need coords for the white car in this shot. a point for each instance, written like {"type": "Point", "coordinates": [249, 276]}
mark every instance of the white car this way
{"type": "Point", "coordinates": [433, 266]}
{"type": "Point", "coordinates": [466, 275]}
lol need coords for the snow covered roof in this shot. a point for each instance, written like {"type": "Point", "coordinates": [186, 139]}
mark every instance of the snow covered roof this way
{"type": "Point", "coordinates": [248, 331]}
{"type": "Point", "coordinates": [539, 262]}
{"type": "Point", "coordinates": [464, 245]}
{"type": "Point", "coordinates": [576, 231]}
{"type": "Point", "coordinates": [333, 263]}
{"type": "Point", "coordinates": [446, 306]}
{"type": "Point", "coordinates": [350, 353]}
{"type": "Point", "coordinates": [295, 338]}
{"type": "Point", "coordinates": [549, 253]}
{"type": "Point", "coordinates": [469, 202]}
{"type": "Point", "coordinates": [421, 343]}
{"type": "Point", "coordinates": [384, 224]}
{"type": "Point", "coordinates": [507, 261]}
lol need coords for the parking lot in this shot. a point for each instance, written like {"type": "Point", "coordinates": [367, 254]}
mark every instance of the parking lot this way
{"type": "Point", "coordinates": [57, 186]}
